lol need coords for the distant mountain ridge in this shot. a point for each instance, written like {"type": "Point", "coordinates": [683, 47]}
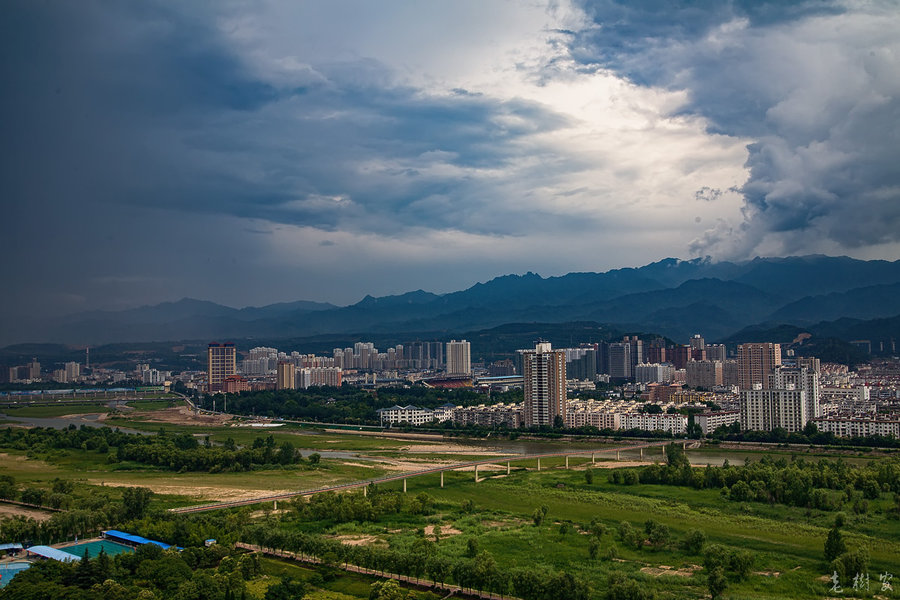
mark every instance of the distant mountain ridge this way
{"type": "Point", "coordinates": [672, 297]}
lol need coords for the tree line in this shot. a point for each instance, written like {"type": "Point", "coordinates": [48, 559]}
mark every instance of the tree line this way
{"type": "Point", "coordinates": [821, 484]}
{"type": "Point", "coordinates": [174, 452]}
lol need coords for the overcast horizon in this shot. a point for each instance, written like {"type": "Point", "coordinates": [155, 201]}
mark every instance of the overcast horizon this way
{"type": "Point", "coordinates": [272, 151]}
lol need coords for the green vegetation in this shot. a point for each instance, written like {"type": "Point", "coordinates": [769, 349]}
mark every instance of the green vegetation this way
{"type": "Point", "coordinates": [769, 529]}
{"type": "Point", "coordinates": [348, 404]}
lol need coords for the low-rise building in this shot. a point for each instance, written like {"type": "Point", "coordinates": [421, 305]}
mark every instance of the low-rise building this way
{"type": "Point", "coordinates": [712, 420]}
{"type": "Point", "coordinates": [859, 426]}
{"type": "Point", "coordinates": [412, 415]}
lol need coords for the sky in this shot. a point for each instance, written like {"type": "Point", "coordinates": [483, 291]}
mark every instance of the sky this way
{"type": "Point", "coordinates": [272, 150]}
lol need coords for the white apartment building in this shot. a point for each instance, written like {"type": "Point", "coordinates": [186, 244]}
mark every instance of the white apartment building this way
{"type": "Point", "coordinates": [710, 421]}
{"type": "Point", "coordinates": [459, 357]}
{"type": "Point", "coordinates": [653, 373]}
{"type": "Point", "coordinates": [676, 423]}
{"type": "Point", "coordinates": [765, 410]}
{"type": "Point", "coordinates": [857, 426]}
{"type": "Point", "coordinates": [410, 414]}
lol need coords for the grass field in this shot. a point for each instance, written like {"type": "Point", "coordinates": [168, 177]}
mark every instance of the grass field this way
{"type": "Point", "coordinates": [100, 405]}
{"type": "Point", "coordinates": [787, 542]}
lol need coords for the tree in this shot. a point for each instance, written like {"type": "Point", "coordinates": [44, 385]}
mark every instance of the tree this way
{"type": "Point", "coordinates": [594, 548]}
{"type": "Point", "coordinates": [314, 458]}
{"type": "Point", "coordinates": [716, 582]}
{"type": "Point", "coordinates": [472, 547]}
{"type": "Point", "coordinates": [657, 533]}
{"type": "Point", "coordinates": [287, 589]}
{"type": "Point", "coordinates": [135, 501]}
{"type": "Point", "coordinates": [589, 476]}
{"type": "Point", "coordinates": [538, 517]}
{"type": "Point", "coordinates": [623, 588]}
{"type": "Point", "coordinates": [694, 541]}
{"type": "Point", "coordinates": [834, 544]}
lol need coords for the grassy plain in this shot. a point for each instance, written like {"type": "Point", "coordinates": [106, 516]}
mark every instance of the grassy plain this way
{"type": "Point", "coordinates": [786, 542]}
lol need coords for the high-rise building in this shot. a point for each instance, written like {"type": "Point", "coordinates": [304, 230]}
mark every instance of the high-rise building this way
{"type": "Point", "coordinates": [731, 373]}
{"type": "Point", "coordinates": [581, 363]}
{"type": "Point", "coordinates": [286, 378]}
{"type": "Point", "coordinates": [319, 376]}
{"type": "Point", "coordinates": [697, 342]}
{"type": "Point", "coordinates": [73, 371]}
{"type": "Point", "coordinates": [705, 374]}
{"type": "Point", "coordinates": [637, 350]}
{"type": "Point", "coordinates": [459, 358]}
{"type": "Point", "coordinates": [799, 378]}
{"type": "Point", "coordinates": [679, 356]}
{"type": "Point", "coordinates": [811, 363]}
{"type": "Point", "coordinates": [34, 369]}
{"type": "Point", "coordinates": [544, 373]}
{"type": "Point", "coordinates": [767, 409]}
{"type": "Point", "coordinates": [757, 362]}
{"type": "Point", "coordinates": [221, 363]}
{"type": "Point", "coordinates": [653, 373]}
{"type": "Point", "coordinates": [716, 352]}
{"type": "Point", "coordinates": [620, 360]}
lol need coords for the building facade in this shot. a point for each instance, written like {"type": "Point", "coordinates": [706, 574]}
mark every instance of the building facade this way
{"type": "Point", "coordinates": [757, 362]}
{"type": "Point", "coordinates": [768, 409]}
{"type": "Point", "coordinates": [459, 358]}
{"type": "Point", "coordinates": [221, 363]}
{"type": "Point", "coordinates": [705, 374]}
{"type": "Point", "coordinates": [286, 378]}
{"type": "Point", "coordinates": [544, 372]}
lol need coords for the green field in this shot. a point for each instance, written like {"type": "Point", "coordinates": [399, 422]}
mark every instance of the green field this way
{"type": "Point", "coordinates": [786, 542]}
{"type": "Point", "coordinates": [99, 405]}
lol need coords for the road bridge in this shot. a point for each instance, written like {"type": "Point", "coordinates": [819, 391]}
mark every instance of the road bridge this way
{"type": "Point", "coordinates": [508, 460]}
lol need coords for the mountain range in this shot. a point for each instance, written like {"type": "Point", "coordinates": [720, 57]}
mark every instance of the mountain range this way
{"type": "Point", "coordinates": [671, 297]}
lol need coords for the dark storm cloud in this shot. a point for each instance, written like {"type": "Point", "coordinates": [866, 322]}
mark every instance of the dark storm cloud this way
{"type": "Point", "coordinates": [132, 132]}
{"type": "Point", "coordinates": [814, 85]}
{"type": "Point", "coordinates": [146, 105]}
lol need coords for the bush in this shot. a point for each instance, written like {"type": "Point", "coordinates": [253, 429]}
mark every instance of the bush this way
{"type": "Point", "coordinates": [694, 541]}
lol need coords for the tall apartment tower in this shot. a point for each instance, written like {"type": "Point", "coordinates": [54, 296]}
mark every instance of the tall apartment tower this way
{"type": "Point", "coordinates": [767, 409]}
{"type": "Point", "coordinates": [221, 363]}
{"type": "Point", "coordinates": [287, 376]}
{"type": "Point", "coordinates": [757, 362]}
{"type": "Point", "coordinates": [637, 350]}
{"type": "Point", "coordinates": [544, 371]}
{"type": "Point", "coordinates": [620, 360]}
{"type": "Point", "coordinates": [799, 378]}
{"type": "Point", "coordinates": [459, 358]}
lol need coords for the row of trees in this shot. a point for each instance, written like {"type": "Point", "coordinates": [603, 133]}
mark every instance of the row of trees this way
{"type": "Point", "coordinates": [178, 452]}
{"type": "Point", "coordinates": [89, 515]}
{"type": "Point", "coordinates": [479, 572]}
{"type": "Point", "coordinates": [797, 483]}
{"type": "Point", "coordinates": [347, 404]}
{"type": "Point", "coordinates": [344, 508]}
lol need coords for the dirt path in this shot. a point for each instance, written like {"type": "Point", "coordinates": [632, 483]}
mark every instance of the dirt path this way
{"type": "Point", "coordinates": [11, 510]}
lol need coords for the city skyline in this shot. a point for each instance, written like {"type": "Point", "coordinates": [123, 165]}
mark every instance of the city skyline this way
{"type": "Point", "coordinates": [155, 151]}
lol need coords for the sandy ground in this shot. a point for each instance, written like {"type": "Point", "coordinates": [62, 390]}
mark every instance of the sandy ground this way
{"type": "Point", "coordinates": [445, 530]}
{"type": "Point", "coordinates": [181, 415]}
{"type": "Point", "coordinates": [11, 510]}
{"type": "Point", "coordinates": [451, 448]}
{"type": "Point", "coordinates": [358, 540]}
{"type": "Point", "coordinates": [201, 492]}
{"type": "Point", "coordinates": [667, 570]}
